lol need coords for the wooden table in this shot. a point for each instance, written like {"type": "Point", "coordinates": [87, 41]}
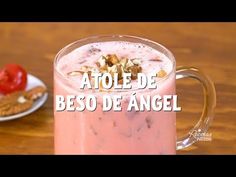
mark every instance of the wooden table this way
{"type": "Point", "coordinates": [209, 46]}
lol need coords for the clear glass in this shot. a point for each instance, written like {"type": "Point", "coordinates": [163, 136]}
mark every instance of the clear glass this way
{"type": "Point", "coordinates": [125, 132]}
{"type": "Point", "coordinates": [208, 109]}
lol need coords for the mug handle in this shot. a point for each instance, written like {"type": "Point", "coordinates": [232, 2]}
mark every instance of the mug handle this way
{"type": "Point", "coordinates": [209, 104]}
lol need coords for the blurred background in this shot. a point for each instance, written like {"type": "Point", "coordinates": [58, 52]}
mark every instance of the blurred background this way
{"type": "Point", "coordinates": [208, 46]}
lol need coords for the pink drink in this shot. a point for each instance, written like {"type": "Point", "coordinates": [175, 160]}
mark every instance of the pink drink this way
{"type": "Point", "coordinates": [112, 132]}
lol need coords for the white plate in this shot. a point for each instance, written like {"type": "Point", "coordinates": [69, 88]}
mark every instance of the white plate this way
{"type": "Point", "coordinates": [32, 82]}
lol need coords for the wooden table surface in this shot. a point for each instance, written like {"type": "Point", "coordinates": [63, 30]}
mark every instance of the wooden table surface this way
{"type": "Point", "coordinates": [209, 46]}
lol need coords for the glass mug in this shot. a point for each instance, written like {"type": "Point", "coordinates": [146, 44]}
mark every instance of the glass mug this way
{"type": "Point", "coordinates": [125, 132]}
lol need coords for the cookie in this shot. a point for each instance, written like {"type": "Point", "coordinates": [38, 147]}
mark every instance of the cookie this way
{"type": "Point", "coordinates": [14, 103]}
{"type": "Point", "coordinates": [35, 93]}
{"type": "Point", "coordinates": [20, 101]}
